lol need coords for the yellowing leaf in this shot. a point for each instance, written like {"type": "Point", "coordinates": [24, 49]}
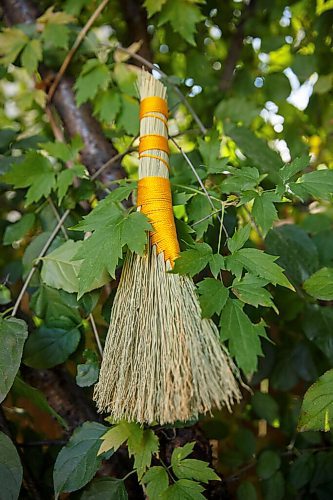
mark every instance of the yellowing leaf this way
{"type": "Point", "coordinates": [12, 41]}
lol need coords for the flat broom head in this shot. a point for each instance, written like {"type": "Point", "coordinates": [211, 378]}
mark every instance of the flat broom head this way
{"type": "Point", "coordinates": [162, 362]}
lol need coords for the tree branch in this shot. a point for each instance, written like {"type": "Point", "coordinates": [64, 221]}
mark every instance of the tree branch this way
{"type": "Point", "coordinates": [136, 19]}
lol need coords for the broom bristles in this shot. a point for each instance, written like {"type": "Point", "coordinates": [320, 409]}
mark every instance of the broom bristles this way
{"type": "Point", "coordinates": [162, 362]}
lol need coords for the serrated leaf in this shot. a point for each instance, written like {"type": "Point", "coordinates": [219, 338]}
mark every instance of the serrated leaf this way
{"type": "Point", "coordinates": [250, 290]}
{"type": "Point", "coordinates": [144, 450]}
{"type": "Point", "coordinates": [320, 284]}
{"type": "Point", "coordinates": [58, 17]}
{"type": "Point", "coordinates": [291, 169]}
{"type": "Point", "coordinates": [184, 489]}
{"type": "Point", "coordinates": [105, 488]}
{"type": "Point", "coordinates": [34, 172]}
{"type": "Point", "coordinates": [238, 110]}
{"type": "Point", "coordinates": [243, 337]}
{"type": "Point", "coordinates": [13, 333]}
{"type": "Point", "coordinates": [12, 42]}
{"type": "Point", "coordinates": [94, 75]}
{"type": "Point", "coordinates": [264, 211]}
{"type": "Point", "coordinates": [199, 208]}
{"type": "Point", "coordinates": [239, 238]}
{"type": "Point", "coordinates": [216, 263]}
{"type": "Point", "coordinates": [107, 105]}
{"type": "Point", "coordinates": [183, 16]}
{"type": "Point", "coordinates": [198, 470]}
{"type": "Point", "coordinates": [213, 296]}
{"type": "Point", "coordinates": [262, 264]}
{"type": "Point", "coordinates": [153, 6]}
{"type": "Point", "coordinates": [134, 232]}
{"type": "Point", "coordinates": [192, 261]}
{"type": "Point", "coordinates": [66, 177]}
{"type": "Point", "coordinates": [156, 480]}
{"type": "Point", "coordinates": [58, 149]}
{"type": "Point", "coordinates": [50, 346]}
{"type": "Point", "coordinates": [14, 232]}
{"type": "Point", "coordinates": [317, 407]}
{"type": "Point", "coordinates": [318, 184]}
{"type": "Point", "coordinates": [240, 179]}
{"type": "Point", "coordinates": [128, 117]}
{"type": "Point", "coordinates": [11, 471]}
{"type": "Point", "coordinates": [31, 55]}
{"type": "Point", "coordinates": [87, 373]}
{"type": "Point", "coordinates": [210, 152]}
{"type": "Point", "coordinates": [181, 452]}
{"type": "Point", "coordinates": [78, 462]}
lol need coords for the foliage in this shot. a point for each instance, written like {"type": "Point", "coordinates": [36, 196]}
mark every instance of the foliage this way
{"type": "Point", "coordinates": [255, 235]}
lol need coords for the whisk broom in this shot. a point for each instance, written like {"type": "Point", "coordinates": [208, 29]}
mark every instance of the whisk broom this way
{"type": "Point", "coordinates": [162, 362]}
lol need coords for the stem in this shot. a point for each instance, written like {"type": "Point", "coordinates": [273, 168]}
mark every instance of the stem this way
{"type": "Point", "coordinates": [41, 254]}
{"type": "Point", "coordinates": [128, 475]}
{"type": "Point", "coordinates": [74, 48]}
{"type": "Point", "coordinates": [94, 328]}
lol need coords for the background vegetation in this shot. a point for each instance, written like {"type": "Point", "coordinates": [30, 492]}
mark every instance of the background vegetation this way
{"type": "Point", "coordinates": [250, 94]}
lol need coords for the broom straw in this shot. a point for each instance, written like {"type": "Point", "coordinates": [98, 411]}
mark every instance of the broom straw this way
{"type": "Point", "coordinates": [162, 362]}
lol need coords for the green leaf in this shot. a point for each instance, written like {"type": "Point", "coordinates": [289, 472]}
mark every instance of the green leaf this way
{"type": "Point", "coordinates": [87, 373]}
{"type": "Point", "coordinates": [291, 169]}
{"type": "Point", "coordinates": [317, 407]}
{"type": "Point", "coordinates": [184, 489]}
{"type": "Point", "coordinates": [239, 238]}
{"type": "Point", "coordinates": [13, 333]}
{"type": "Point", "coordinates": [24, 390]}
{"type": "Point", "coordinates": [58, 149]}
{"type": "Point", "coordinates": [156, 480]}
{"type": "Point", "coordinates": [105, 488]}
{"type": "Point", "coordinates": [134, 232]}
{"type": "Point", "coordinates": [31, 55]}
{"type": "Point", "coordinates": [94, 76]}
{"type": "Point", "coordinates": [264, 211]}
{"type": "Point", "coordinates": [257, 151]}
{"type": "Point", "coordinates": [216, 263]}
{"type": "Point", "coordinates": [238, 110]}
{"type": "Point", "coordinates": [298, 254]}
{"type": "Point", "coordinates": [243, 337]}
{"type": "Point", "coordinates": [301, 470]}
{"type": "Point", "coordinates": [5, 296]}
{"type": "Point", "coordinates": [240, 179]}
{"type": "Point", "coordinates": [78, 462]}
{"type": "Point", "coordinates": [210, 152]}
{"type": "Point", "coordinates": [12, 41]}
{"type": "Point", "coordinates": [141, 443]}
{"type": "Point", "coordinates": [192, 261]}
{"type": "Point", "coordinates": [265, 407]}
{"type": "Point", "coordinates": [213, 296]}
{"type": "Point", "coordinates": [183, 16]}
{"type": "Point", "coordinates": [128, 118]}
{"type": "Point", "coordinates": [268, 463]}
{"type": "Point", "coordinates": [262, 264]}
{"type": "Point", "coordinates": [11, 471]}
{"type": "Point", "coordinates": [56, 35]}
{"type": "Point", "coordinates": [274, 487]}
{"type": "Point", "coordinates": [320, 284]}
{"type": "Point", "coordinates": [56, 307]}
{"type": "Point", "coordinates": [107, 105]}
{"type": "Point", "coordinates": [250, 290]}
{"type": "Point", "coordinates": [50, 346]}
{"type": "Point", "coordinates": [318, 184]}
{"type": "Point", "coordinates": [153, 6]}
{"type": "Point", "coordinates": [197, 209]}
{"type": "Point", "coordinates": [246, 491]}
{"type": "Point", "coordinates": [181, 452]}
{"type": "Point", "coordinates": [66, 178]}
{"type": "Point", "coordinates": [198, 470]}
{"type": "Point", "coordinates": [36, 173]}
{"type": "Point", "coordinates": [16, 231]}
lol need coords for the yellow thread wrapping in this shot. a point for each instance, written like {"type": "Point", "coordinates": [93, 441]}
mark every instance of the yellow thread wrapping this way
{"type": "Point", "coordinates": [153, 141]}
{"type": "Point", "coordinates": [154, 198]}
{"type": "Point", "coordinates": [153, 104]}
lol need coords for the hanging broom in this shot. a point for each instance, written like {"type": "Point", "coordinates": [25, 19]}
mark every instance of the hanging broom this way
{"type": "Point", "coordinates": [162, 362]}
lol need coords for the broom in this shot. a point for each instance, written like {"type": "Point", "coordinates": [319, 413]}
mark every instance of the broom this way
{"type": "Point", "coordinates": [162, 362]}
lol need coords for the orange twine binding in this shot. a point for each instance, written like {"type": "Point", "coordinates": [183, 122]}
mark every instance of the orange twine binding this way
{"type": "Point", "coordinates": [154, 198]}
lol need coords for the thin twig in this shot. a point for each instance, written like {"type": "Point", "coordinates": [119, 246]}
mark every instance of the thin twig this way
{"type": "Point", "coordinates": [207, 217]}
{"type": "Point", "coordinates": [56, 213]}
{"type": "Point", "coordinates": [40, 255]}
{"type": "Point", "coordinates": [112, 160]}
{"type": "Point", "coordinates": [94, 328]}
{"type": "Point", "coordinates": [77, 43]}
{"type": "Point", "coordinates": [165, 77]}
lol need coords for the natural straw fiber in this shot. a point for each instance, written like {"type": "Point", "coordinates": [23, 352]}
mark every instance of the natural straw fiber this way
{"type": "Point", "coordinates": [162, 362]}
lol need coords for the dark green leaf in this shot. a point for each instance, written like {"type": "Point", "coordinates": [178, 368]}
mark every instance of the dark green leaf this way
{"type": "Point", "coordinates": [239, 238]}
{"type": "Point", "coordinates": [216, 263]}
{"type": "Point", "coordinates": [128, 118]}
{"type": "Point", "coordinates": [105, 488]}
{"type": "Point", "coordinates": [192, 261]}
{"type": "Point", "coordinates": [250, 290]}
{"type": "Point", "coordinates": [78, 462]}
{"type": "Point", "coordinates": [318, 184]}
{"type": "Point", "coordinates": [213, 296]}
{"type": "Point", "coordinates": [87, 373]}
{"type": "Point", "coordinates": [274, 488]}
{"type": "Point", "coordinates": [56, 35]}
{"type": "Point", "coordinates": [94, 75]}
{"type": "Point", "coordinates": [107, 105]}
{"type": "Point", "coordinates": [291, 169]}
{"type": "Point", "coordinates": [301, 470]}
{"type": "Point", "coordinates": [13, 333]}
{"type": "Point", "coordinates": [198, 470]}
{"type": "Point", "coordinates": [134, 232]}
{"type": "Point", "coordinates": [268, 463]}
{"type": "Point", "coordinates": [238, 110]}
{"type": "Point", "coordinates": [183, 17]}
{"type": "Point", "coordinates": [11, 472]}
{"type": "Point", "coordinates": [16, 231]}
{"type": "Point", "coordinates": [240, 179]}
{"type": "Point", "coordinates": [317, 325]}
{"type": "Point", "coordinates": [265, 407]}
{"type": "Point", "coordinates": [243, 337]}
{"type": "Point", "coordinates": [49, 346]}
{"type": "Point", "coordinates": [264, 211]}
{"type": "Point", "coordinates": [246, 491]}
{"type": "Point", "coordinates": [156, 480]}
